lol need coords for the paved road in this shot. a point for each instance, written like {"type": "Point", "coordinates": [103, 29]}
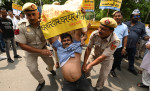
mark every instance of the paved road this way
{"type": "Point", "coordinates": [16, 77]}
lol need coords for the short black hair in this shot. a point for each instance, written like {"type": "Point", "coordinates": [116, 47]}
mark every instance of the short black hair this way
{"type": "Point", "coordinates": [65, 35]}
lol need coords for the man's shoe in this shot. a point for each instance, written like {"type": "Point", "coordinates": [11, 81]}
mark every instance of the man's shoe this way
{"type": "Point", "coordinates": [119, 68]}
{"type": "Point", "coordinates": [53, 73]}
{"type": "Point", "coordinates": [133, 72]}
{"type": "Point", "coordinates": [3, 50]}
{"type": "Point", "coordinates": [113, 73]}
{"type": "Point", "coordinates": [40, 86]}
{"type": "Point", "coordinates": [17, 56]}
{"type": "Point", "coordinates": [10, 60]}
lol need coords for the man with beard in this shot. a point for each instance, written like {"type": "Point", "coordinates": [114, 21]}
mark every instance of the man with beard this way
{"type": "Point", "coordinates": [122, 32]}
{"type": "Point", "coordinates": [136, 30]}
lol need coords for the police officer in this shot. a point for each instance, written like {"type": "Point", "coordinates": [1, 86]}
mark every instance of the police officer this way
{"type": "Point", "coordinates": [31, 39]}
{"type": "Point", "coordinates": [105, 42]}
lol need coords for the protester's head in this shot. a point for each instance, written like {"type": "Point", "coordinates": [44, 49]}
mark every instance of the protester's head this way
{"type": "Point", "coordinates": [106, 27]}
{"type": "Point", "coordinates": [21, 15]}
{"type": "Point", "coordinates": [117, 15]}
{"type": "Point", "coordinates": [4, 13]}
{"type": "Point", "coordinates": [135, 16]}
{"type": "Point", "coordinates": [66, 39]}
{"type": "Point", "coordinates": [10, 13]}
{"type": "Point", "coordinates": [30, 10]}
{"type": "Point", "coordinates": [17, 16]}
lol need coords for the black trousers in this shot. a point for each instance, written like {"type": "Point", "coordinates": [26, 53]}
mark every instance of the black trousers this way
{"type": "Point", "coordinates": [117, 58]}
{"type": "Point", "coordinates": [80, 85]}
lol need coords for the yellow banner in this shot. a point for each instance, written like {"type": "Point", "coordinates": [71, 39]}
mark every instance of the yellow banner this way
{"type": "Point", "coordinates": [110, 4]}
{"type": "Point", "coordinates": [58, 19]}
{"type": "Point", "coordinates": [88, 5]}
{"type": "Point", "coordinates": [16, 6]}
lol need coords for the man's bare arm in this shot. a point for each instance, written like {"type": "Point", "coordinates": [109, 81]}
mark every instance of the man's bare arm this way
{"type": "Point", "coordinates": [95, 62]}
{"type": "Point", "coordinates": [124, 45]}
{"type": "Point", "coordinates": [52, 40]}
{"type": "Point", "coordinates": [35, 50]}
{"type": "Point", "coordinates": [86, 55]}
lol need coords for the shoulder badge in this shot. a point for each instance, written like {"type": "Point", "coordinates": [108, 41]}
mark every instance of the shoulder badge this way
{"type": "Point", "coordinates": [113, 46]}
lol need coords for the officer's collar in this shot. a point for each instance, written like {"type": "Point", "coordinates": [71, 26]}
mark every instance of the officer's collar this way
{"type": "Point", "coordinates": [27, 23]}
{"type": "Point", "coordinates": [109, 38]}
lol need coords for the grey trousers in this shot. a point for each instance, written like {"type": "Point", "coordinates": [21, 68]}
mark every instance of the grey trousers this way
{"type": "Point", "coordinates": [7, 45]}
{"type": "Point", "coordinates": [32, 64]}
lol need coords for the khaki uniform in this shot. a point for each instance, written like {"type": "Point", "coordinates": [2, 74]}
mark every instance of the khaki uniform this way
{"type": "Point", "coordinates": [34, 38]}
{"type": "Point", "coordinates": [106, 47]}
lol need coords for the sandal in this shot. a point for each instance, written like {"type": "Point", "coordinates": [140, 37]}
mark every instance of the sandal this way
{"type": "Point", "coordinates": [142, 85]}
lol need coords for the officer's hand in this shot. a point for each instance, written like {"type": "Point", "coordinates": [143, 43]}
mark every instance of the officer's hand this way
{"type": "Point", "coordinates": [123, 52]}
{"type": "Point", "coordinates": [46, 52]}
{"type": "Point", "coordinates": [148, 46]}
{"type": "Point", "coordinates": [83, 67]}
{"type": "Point", "coordinates": [88, 67]}
{"type": "Point", "coordinates": [82, 42]}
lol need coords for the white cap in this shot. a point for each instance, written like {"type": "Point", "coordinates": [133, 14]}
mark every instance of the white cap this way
{"type": "Point", "coordinates": [136, 11]}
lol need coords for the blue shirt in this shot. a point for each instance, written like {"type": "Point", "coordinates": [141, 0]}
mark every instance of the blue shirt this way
{"type": "Point", "coordinates": [121, 31]}
{"type": "Point", "coordinates": [65, 53]}
{"type": "Point", "coordinates": [135, 32]}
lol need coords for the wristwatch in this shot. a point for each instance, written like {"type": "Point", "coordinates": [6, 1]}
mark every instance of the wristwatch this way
{"type": "Point", "coordinates": [124, 48]}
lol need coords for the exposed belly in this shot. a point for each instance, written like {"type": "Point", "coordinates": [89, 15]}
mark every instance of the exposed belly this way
{"type": "Point", "coordinates": [72, 69]}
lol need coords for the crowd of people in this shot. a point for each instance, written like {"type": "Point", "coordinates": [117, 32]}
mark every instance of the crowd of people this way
{"type": "Point", "coordinates": [111, 42]}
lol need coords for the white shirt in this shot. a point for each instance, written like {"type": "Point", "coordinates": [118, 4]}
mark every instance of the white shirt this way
{"type": "Point", "coordinates": [147, 29]}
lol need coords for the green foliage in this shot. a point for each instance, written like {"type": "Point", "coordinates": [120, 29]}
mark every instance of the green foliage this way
{"type": "Point", "coordinates": [127, 7]}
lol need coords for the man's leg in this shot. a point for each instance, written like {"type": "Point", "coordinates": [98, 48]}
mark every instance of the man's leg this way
{"type": "Point", "coordinates": [7, 42]}
{"type": "Point", "coordinates": [106, 66]}
{"type": "Point", "coordinates": [31, 61]}
{"type": "Point", "coordinates": [69, 86]}
{"type": "Point", "coordinates": [50, 63]}
{"type": "Point", "coordinates": [131, 55]}
{"type": "Point", "coordinates": [84, 85]}
{"type": "Point", "coordinates": [13, 43]}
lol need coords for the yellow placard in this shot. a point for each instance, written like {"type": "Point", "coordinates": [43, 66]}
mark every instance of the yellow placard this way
{"type": "Point", "coordinates": [16, 6]}
{"type": "Point", "coordinates": [58, 19]}
{"type": "Point", "coordinates": [110, 4]}
{"type": "Point", "coordinates": [88, 5]}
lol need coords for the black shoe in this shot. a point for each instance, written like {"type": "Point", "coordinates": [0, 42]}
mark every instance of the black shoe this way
{"type": "Point", "coordinates": [10, 60]}
{"type": "Point", "coordinates": [133, 72]}
{"type": "Point", "coordinates": [3, 50]}
{"type": "Point", "coordinates": [113, 73]}
{"type": "Point", "coordinates": [53, 72]}
{"type": "Point", "coordinates": [40, 86]}
{"type": "Point", "coordinates": [17, 56]}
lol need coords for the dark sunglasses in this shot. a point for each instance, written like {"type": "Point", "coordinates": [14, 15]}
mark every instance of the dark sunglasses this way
{"type": "Point", "coordinates": [136, 16]}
